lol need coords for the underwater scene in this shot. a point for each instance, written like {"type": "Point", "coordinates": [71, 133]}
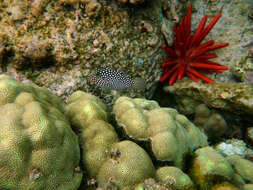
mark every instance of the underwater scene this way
{"type": "Point", "coordinates": [126, 94]}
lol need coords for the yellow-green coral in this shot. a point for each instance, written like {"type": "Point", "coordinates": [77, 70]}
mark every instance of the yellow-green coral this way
{"type": "Point", "coordinates": [242, 167]}
{"type": "Point", "coordinates": [176, 177]}
{"type": "Point", "coordinates": [96, 142]}
{"type": "Point", "coordinates": [224, 186]}
{"type": "Point", "coordinates": [83, 108]}
{"type": "Point", "coordinates": [209, 167]}
{"type": "Point", "coordinates": [171, 135]}
{"type": "Point", "coordinates": [38, 149]}
{"type": "Point", "coordinates": [105, 158]}
{"type": "Point", "coordinates": [88, 115]}
{"type": "Point", "coordinates": [129, 165]}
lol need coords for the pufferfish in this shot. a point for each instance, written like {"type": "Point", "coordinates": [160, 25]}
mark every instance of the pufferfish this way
{"type": "Point", "coordinates": [111, 79]}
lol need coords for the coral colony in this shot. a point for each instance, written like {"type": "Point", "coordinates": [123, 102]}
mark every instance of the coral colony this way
{"type": "Point", "coordinates": [188, 56]}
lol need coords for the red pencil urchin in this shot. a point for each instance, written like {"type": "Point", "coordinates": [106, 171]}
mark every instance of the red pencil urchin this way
{"type": "Point", "coordinates": [188, 56]}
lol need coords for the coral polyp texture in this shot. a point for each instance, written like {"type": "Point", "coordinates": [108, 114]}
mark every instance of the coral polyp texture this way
{"type": "Point", "coordinates": [188, 56]}
{"type": "Point", "coordinates": [171, 135]}
{"type": "Point", "coordinates": [38, 149]}
{"type": "Point", "coordinates": [105, 158]}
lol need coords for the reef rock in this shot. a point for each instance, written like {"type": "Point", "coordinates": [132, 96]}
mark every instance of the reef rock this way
{"type": "Point", "coordinates": [233, 97]}
{"type": "Point", "coordinates": [50, 40]}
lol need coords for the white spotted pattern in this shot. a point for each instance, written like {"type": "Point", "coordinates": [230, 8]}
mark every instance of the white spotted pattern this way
{"type": "Point", "coordinates": [109, 78]}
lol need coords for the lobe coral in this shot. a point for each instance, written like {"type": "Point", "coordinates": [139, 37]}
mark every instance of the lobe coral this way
{"type": "Point", "coordinates": [188, 56]}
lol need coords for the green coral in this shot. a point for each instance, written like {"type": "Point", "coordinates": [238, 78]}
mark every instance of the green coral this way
{"type": "Point", "coordinates": [177, 177]}
{"type": "Point", "coordinates": [209, 167]}
{"type": "Point", "coordinates": [224, 185]}
{"type": "Point", "coordinates": [84, 108]}
{"type": "Point", "coordinates": [242, 167]}
{"type": "Point", "coordinates": [247, 187]}
{"type": "Point", "coordinates": [171, 135]}
{"type": "Point", "coordinates": [129, 166]}
{"type": "Point", "coordinates": [88, 115]}
{"type": "Point", "coordinates": [38, 149]}
{"type": "Point", "coordinates": [105, 158]}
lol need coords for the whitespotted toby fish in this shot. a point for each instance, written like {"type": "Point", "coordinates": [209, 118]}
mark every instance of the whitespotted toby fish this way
{"type": "Point", "coordinates": [115, 80]}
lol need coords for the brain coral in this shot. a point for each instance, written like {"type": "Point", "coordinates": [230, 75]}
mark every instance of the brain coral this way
{"type": "Point", "coordinates": [38, 149]}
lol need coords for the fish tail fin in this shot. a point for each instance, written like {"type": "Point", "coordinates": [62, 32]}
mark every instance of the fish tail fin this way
{"type": "Point", "coordinates": [139, 84]}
